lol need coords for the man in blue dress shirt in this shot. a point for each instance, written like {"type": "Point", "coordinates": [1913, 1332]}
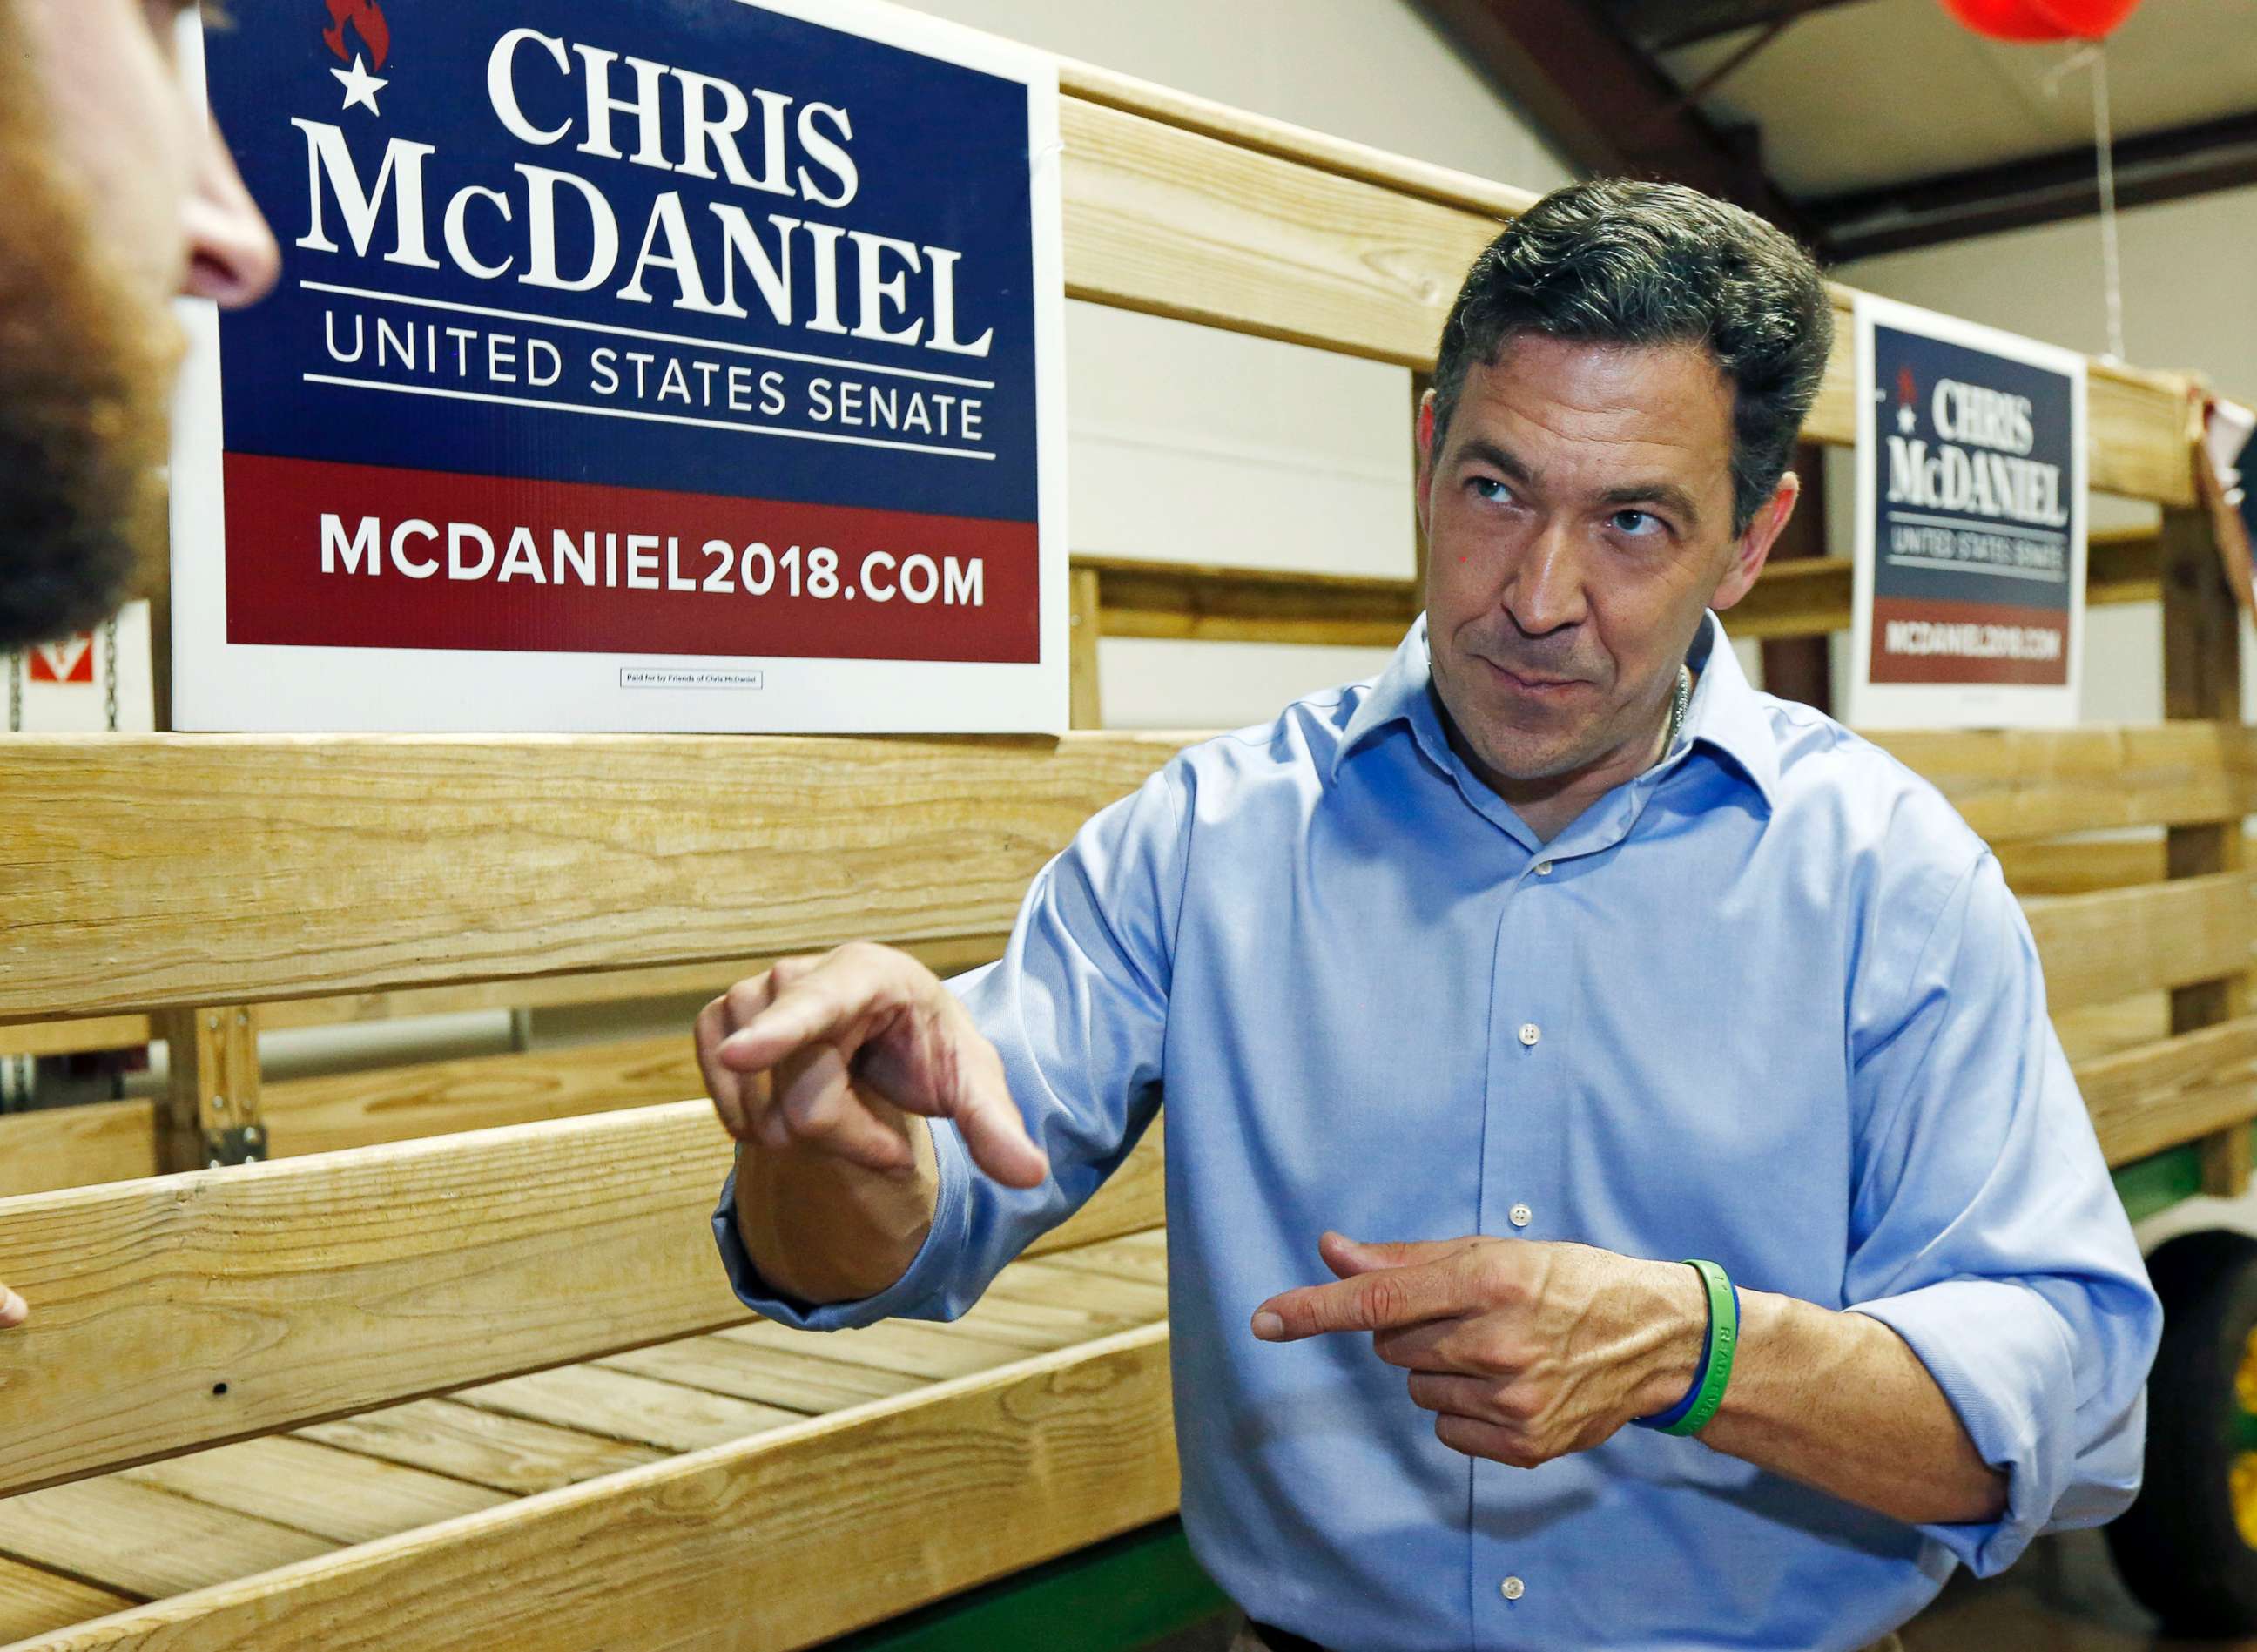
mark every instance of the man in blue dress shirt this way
{"type": "Point", "coordinates": [1481, 995]}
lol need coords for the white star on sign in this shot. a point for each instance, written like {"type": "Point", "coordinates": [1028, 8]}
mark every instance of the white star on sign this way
{"type": "Point", "coordinates": [1908, 420]}
{"type": "Point", "coordinates": [361, 87]}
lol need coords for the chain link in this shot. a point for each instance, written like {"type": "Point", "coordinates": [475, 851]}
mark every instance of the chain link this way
{"type": "Point", "coordinates": [109, 671]}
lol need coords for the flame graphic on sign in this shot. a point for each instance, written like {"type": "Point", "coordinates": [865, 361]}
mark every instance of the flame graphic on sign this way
{"type": "Point", "coordinates": [364, 18]}
{"type": "Point", "coordinates": [1908, 393]}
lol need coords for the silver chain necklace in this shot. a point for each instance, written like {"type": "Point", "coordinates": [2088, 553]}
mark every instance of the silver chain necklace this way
{"type": "Point", "coordinates": [1677, 705]}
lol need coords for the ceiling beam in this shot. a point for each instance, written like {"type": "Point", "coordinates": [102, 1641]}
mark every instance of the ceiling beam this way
{"type": "Point", "coordinates": [1606, 107]}
{"type": "Point", "coordinates": [2154, 167]}
{"type": "Point", "coordinates": [1663, 26]}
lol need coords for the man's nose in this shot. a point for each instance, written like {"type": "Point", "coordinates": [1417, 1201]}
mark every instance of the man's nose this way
{"type": "Point", "coordinates": [1544, 588]}
{"type": "Point", "coordinates": [232, 257]}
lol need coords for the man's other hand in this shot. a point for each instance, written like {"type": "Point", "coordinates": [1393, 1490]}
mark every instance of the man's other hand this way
{"type": "Point", "coordinates": [830, 1053]}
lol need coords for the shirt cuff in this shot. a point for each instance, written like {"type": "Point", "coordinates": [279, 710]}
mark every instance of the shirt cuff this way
{"type": "Point", "coordinates": [912, 1296]}
{"type": "Point", "coordinates": [2000, 1354]}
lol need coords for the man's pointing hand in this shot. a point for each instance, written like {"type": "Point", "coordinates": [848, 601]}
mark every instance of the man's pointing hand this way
{"type": "Point", "coordinates": [1525, 1351]}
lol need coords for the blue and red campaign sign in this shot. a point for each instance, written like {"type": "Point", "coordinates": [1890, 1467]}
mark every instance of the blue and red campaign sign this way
{"type": "Point", "coordinates": [1970, 603]}
{"type": "Point", "coordinates": [626, 353]}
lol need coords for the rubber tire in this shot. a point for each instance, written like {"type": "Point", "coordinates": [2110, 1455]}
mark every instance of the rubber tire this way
{"type": "Point", "coordinates": [2178, 1547]}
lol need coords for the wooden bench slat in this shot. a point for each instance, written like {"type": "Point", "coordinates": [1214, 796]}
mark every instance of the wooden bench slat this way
{"type": "Point", "coordinates": [2174, 1090]}
{"type": "Point", "coordinates": [486, 1448]}
{"type": "Point", "coordinates": [438, 1098]}
{"type": "Point", "coordinates": [640, 1410]}
{"type": "Point", "coordinates": [2118, 942]}
{"type": "Point", "coordinates": [218, 1305]}
{"type": "Point", "coordinates": [772, 1376]}
{"type": "Point", "coordinates": [340, 1495]}
{"type": "Point", "coordinates": [290, 866]}
{"type": "Point", "coordinates": [140, 1541]}
{"type": "Point", "coordinates": [75, 1146]}
{"type": "Point", "coordinates": [34, 1600]}
{"type": "Point", "coordinates": [932, 1492]}
{"type": "Point", "coordinates": [2020, 783]}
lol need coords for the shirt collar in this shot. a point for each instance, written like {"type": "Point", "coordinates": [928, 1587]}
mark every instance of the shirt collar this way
{"type": "Point", "coordinates": [1726, 712]}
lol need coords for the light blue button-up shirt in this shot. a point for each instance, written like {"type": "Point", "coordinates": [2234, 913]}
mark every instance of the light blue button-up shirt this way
{"type": "Point", "coordinates": [1770, 1003]}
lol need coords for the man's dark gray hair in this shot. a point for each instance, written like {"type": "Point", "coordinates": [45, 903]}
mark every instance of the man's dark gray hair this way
{"type": "Point", "coordinates": [1618, 261]}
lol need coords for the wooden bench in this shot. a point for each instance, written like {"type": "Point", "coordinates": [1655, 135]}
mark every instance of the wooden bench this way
{"type": "Point", "coordinates": [490, 1388]}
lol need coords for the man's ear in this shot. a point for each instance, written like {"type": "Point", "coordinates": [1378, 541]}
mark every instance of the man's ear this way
{"type": "Point", "coordinates": [1753, 546]}
{"type": "Point", "coordinates": [1425, 440]}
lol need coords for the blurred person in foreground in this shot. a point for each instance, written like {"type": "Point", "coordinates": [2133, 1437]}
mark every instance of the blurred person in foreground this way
{"type": "Point", "coordinates": [1485, 993]}
{"type": "Point", "coordinates": [114, 195]}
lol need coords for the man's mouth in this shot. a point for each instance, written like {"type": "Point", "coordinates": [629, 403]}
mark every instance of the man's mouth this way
{"type": "Point", "coordinates": [1525, 681]}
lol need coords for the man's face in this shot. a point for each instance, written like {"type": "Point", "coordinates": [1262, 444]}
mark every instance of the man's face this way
{"type": "Point", "coordinates": [117, 196]}
{"type": "Point", "coordinates": [1578, 518]}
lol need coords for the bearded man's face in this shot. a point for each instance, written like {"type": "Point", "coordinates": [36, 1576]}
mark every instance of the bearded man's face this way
{"type": "Point", "coordinates": [114, 196]}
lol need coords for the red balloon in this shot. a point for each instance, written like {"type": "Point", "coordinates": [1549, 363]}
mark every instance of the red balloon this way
{"type": "Point", "coordinates": [2042, 19]}
{"type": "Point", "coordinates": [2085, 19]}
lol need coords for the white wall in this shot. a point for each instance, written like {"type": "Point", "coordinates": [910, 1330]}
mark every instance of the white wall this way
{"type": "Point", "coordinates": [2189, 304]}
{"type": "Point", "coordinates": [1193, 445]}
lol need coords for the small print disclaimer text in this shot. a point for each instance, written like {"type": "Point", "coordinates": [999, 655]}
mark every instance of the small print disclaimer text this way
{"type": "Point", "coordinates": [686, 676]}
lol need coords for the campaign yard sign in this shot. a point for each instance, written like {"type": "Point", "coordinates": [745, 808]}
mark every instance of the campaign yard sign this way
{"type": "Point", "coordinates": [690, 365]}
{"type": "Point", "coordinates": [1970, 547]}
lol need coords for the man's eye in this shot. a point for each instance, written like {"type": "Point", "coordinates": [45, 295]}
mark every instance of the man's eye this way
{"type": "Point", "coordinates": [1489, 488]}
{"type": "Point", "coordinates": [1637, 523]}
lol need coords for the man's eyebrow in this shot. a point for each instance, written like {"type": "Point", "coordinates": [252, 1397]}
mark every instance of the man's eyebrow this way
{"type": "Point", "coordinates": [1478, 450]}
{"type": "Point", "coordinates": [1669, 495]}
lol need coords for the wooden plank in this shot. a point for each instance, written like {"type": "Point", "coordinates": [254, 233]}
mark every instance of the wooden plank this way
{"type": "Point", "coordinates": [740, 1546]}
{"type": "Point", "coordinates": [482, 1447]}
{"type": "Point", "coordinates": [211, 1116]}
{"type": "Point", "coordinates": [907, 1347]}
{"type": "Point", "coordinates": [2175, 1089]}
{"type": "Point", "coordinates": [70, 1037]}
{"type": "Point", "coordinates": [2202, 678]}
{"type": "Point", "coordinates": [74, 1146]}
{"type": "Point", "coordinates": [620, 1406]}
{"type": "Point", "coordinates": [34, 1600]}
{"type": "Point", "coordinates": [380, 1274]}
{"type": "Point", "coordinates": [1168, 219]}
{"type": "Point", "coordinates": [136, 1540]}
{"type": "Point", "coordinates": [402, 860]}
{"type": "Point", "coordinates": [2100, 947]}
{"type": "Point", "coordinates": [340, 1495]}
{"type": "Point", "coordinates": [1087, 709]}
{"type": "Point", "coordinates": [1186, 601]}
{"type": "Point", "coordinates": [791, 1378]}
{"type": "Point", "coordinates": [2103, 1028]}
{"type": "Point", "coordinates": [435, 1098]}
{"type": "Point", "coordinates": [1244, 224]}
{"type": "Point", "coordinates": [2017, 784]}
{"type": "Point", "coordinates": [2078, 866]}
{"type": "Point", "coordinates": [187, 1310]}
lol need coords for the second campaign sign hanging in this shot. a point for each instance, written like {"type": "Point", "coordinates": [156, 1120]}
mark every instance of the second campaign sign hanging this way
{"type": "Point", "coordinates": [1969, 608]}
{"type": "Point", "coordinates": [688, 366]}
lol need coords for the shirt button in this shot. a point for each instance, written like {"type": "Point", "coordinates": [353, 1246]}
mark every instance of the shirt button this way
{"type": "Point", "coordinates": [1522, 1215]}
{"type": "Point", "coordinates": [1529, 1033]}
{"type": "Point", "coordinates": [1512, 1588]}
{"type": "Point", "coordinates": [1543, 868]}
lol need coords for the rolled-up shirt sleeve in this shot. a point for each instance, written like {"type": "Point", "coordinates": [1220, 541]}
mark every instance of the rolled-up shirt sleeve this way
{"type": "Point", "coordinates": [1986, 1229]}
{"type": "Point", "coordinates": [1076, 1006]}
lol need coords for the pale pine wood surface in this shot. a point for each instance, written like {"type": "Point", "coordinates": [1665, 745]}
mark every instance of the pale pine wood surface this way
{"type": "Point", "coordinates": [2109, 945]}
{"type": "Point", "coordinates": [76, 1147]}
{"type": "Point", "coordinates": [386, 1274]}
{"type": "Point", "coordinates": [33, 1600]}
{"type": "Point", "coordinates": [395, 862]}
{"type": "Point", "coordinates": [483, 1448]}
{"type": "Point", "coordinates": [264, 1503]}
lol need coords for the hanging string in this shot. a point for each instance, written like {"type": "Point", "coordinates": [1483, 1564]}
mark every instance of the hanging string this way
{"type": "Point", "coordinates": [2095, 57]}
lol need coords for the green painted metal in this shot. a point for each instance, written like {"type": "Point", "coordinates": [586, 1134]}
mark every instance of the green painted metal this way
{"type": "Point", "coordinates": [1126, 1592]}
{"type": "Point", "coordinates": [2160, 1181]}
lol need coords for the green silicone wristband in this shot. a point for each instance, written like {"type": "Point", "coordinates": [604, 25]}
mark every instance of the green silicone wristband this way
{"type": "Point", "coordinates": [1723, 1337]}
